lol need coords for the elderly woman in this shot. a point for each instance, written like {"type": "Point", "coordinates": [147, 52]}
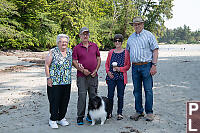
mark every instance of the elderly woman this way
{"type": "Point", "coordinates": [58, 66]}
{"type": "Point", "coordinates": [117, 65]}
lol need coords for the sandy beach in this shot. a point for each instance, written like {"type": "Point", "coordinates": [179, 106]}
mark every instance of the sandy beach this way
{"type": "Point", "coordinates": [24, 106]}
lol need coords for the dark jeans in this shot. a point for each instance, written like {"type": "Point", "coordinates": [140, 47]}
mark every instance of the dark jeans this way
{"type": "Point", "coordinates": [58, 96]}
{"type": "Point", "coordinates": [85, 84]}
{"type": "Point", "coordinates": [120, 94]}
{"type": "Point", "coordinates": [141, 74]}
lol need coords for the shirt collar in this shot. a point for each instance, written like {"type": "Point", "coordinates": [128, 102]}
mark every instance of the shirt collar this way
{"type": "Point", "coordinates": [81, 44]}
{"type": "Point", "coordinates": [139, 33]}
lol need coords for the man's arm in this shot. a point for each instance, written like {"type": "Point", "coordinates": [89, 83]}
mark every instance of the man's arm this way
{"type": "Point", "coordinates": [98, 63]}
{"type": "Point", "coordinates": [155, 56]}
{"type": "Point", "coordinates": [97, 68]}
{"type": "Point", "coordinates": [153, 70]}
{"type": "Point", "coordinates": [80, 68]}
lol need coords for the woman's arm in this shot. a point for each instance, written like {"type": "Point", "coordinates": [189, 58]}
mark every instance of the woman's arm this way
{"type": "Point", "coordinates": [127, 64]}
{"type": "Point", "coordinates": [48, 61]}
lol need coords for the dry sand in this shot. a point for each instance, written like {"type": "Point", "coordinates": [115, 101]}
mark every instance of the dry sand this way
{"type": "Point", "coordinates": [24, 105]}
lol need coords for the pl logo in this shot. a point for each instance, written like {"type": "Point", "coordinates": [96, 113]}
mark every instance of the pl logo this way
{"type": "Point", "coordinates": [193, 117]}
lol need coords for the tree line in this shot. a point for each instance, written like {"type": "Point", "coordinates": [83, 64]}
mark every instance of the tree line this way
{"type": "Point", "coordinates": [180, 35]}
{"type": "Point", "coordinates": [34, 24]}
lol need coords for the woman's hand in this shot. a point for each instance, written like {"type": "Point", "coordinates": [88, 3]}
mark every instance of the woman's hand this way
{"type": "Point", "coordinates": [49, 82]}
{"type": "Point", "coordinates": [110, 75]}
{"type": "Point", "coordinates": [117, 69]}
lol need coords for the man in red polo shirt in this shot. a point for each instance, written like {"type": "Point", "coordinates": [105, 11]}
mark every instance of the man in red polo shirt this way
{"type": "Point", "coordinates": [86, 59]}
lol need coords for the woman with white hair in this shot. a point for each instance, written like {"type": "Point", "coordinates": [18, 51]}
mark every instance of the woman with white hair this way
{"type": "Point", "coordinates": [58, 66]}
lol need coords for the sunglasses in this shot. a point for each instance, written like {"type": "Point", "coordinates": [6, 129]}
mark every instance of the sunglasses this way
{"type": "Point", "coordinates": [118, 41]}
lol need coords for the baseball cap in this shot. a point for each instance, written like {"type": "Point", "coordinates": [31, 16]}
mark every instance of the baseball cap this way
{"type": "Point", "coordinates": [83, 30]}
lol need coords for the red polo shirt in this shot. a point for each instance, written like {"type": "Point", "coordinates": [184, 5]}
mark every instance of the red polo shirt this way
{"type": "Point", "coordinates": [86, 56]}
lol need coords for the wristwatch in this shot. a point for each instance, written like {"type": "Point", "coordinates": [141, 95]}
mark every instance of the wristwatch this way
{"type": "Point", "coordinates": [155, 64]}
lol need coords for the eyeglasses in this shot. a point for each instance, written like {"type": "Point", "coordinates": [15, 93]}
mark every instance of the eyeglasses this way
{"type": "Point", "coordinates": [118, 41]}
{"type": "Point", "coordinates": [85, 34]}
{"type": "Point", "coordinates": [137, 24]}
{"type": "Point", "coordinates": [63, 42]}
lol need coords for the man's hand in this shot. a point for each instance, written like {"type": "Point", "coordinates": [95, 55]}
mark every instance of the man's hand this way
{"type": "Point", "coordinates": [153, 70]}
{"type": "Point", "coordinates": [94, 73]}
{"type": "Point", "coordinates": [86, 72]}
{"type": "Point", "coordinates": [80, 65]}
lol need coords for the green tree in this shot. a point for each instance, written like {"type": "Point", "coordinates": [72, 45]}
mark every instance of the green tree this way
{"type": "Point", "coordinates": [180, 35]}
{"type": "Point", "coordinates": [155, 14]}
{"type": "Point", "coordinates": [35, 20]}
{"type": "Point", "coordinates": [12, 34]}
{"type": "Point", "coordinates": [34, 24]}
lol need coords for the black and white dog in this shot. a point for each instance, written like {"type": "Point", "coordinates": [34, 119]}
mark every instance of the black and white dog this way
{"type": "Point", "coordinates": [98, 109]}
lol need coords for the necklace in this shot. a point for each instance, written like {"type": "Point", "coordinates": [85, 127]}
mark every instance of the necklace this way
{"type": "Point", "coordinates": [119, 50]}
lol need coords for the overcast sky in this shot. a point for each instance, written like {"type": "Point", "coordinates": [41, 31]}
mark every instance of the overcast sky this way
{"type": "Point", "coordinates": [185, 12]}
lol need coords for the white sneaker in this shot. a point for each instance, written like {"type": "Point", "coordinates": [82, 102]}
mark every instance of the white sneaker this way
{"type": "Point", "coordinates": [63, 122]}
{"type": "Point", "coordinates": [53, 124]}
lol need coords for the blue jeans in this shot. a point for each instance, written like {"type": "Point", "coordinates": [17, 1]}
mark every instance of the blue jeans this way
{"type": "Point", "coordinates": [141, 74]}
{"type": "Point", "coordinates": [120, 94]}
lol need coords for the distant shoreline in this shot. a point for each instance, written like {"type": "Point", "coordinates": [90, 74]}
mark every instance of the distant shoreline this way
{"type": "Point", "coordinates": [105, 49]}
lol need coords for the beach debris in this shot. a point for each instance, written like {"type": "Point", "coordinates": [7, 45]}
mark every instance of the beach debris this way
{"type": "Point", "coordinates": [35, 58]}
{"type": "Point", "coordinates": [38, 61]}
{"type": "Point", "coordinates": [6, 108]}
{"type": "Point", "coordinates": [14, 68]}
{"type": "Point", "coordinates": [32, 93]}
{"type": "Point", "coordinates": [185, 61]}
{"type": "Point", "coordinates": [4, 112]}
{"type": "Point", "coordinates": [13, 107]}
{"type": "Point", "coordinates": [132, 129]}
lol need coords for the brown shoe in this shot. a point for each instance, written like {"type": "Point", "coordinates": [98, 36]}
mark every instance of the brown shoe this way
{"type": "Point", "coordinates": [136, 116]}
{"type": "Point", "coordinates": [149, 117]}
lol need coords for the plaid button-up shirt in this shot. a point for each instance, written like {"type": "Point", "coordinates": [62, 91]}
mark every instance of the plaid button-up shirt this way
{"type": "Point", "coordinates": [141, 46]}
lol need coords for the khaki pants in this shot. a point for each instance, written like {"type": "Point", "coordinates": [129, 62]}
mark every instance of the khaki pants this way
{"type": "Point", "coordinates": [85, 84]}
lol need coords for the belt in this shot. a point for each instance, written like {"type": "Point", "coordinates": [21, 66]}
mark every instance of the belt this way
{"type": "Point", "coordinates": [140, 63]}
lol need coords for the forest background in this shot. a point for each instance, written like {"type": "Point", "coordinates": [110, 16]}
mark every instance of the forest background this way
{"type": "Point", "coordinates": [34, 24]}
